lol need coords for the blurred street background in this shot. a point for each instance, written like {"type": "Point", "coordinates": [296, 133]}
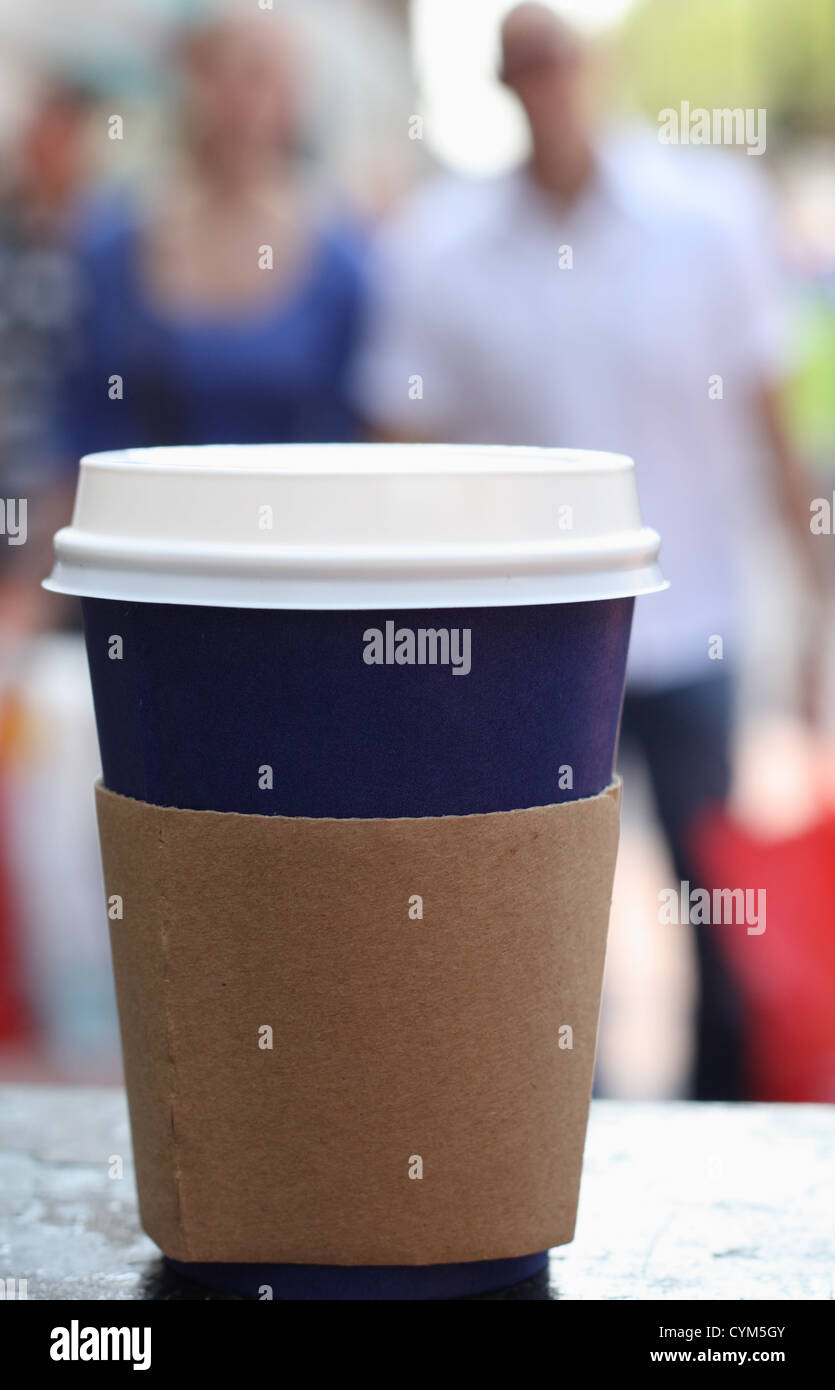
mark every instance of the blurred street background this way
{"type": "Point", "coordinates": [144, 142]}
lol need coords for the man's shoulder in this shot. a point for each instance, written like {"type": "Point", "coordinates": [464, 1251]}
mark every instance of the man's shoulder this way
{"type": "Point", "coordinates": [700, 195]}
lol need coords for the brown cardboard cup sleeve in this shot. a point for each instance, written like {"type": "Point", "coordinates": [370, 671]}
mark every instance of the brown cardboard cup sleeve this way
{"type": "Point", "coordinates": [358, 1041]}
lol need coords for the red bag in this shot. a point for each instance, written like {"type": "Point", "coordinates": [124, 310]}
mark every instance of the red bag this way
{"type": "Point", "coordinates": [14, 1021]}
{"type": "Point", "coordinates": [787, 974]}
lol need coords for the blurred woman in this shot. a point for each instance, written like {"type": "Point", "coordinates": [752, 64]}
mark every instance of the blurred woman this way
{"type": "Point", "coordinates": [226, 310]}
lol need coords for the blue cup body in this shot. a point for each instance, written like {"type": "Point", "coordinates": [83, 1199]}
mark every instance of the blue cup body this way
{"type": "Point", "coordinates": [202, 698]}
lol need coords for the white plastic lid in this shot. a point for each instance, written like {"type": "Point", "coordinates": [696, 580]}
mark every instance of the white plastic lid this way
{"type": "Point", "coordinates": [334, 526]}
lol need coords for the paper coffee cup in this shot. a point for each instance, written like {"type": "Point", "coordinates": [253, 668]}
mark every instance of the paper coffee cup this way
{"type": "Point", "coordinates": [358, 631]}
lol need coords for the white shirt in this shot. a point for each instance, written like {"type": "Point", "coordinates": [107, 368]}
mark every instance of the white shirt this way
{"type": "Point", "coordinates": [614, 353]}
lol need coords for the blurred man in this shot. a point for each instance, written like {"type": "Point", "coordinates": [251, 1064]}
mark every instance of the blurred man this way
{"type": "Point", "coordinates": [38, 304]}
{"type": "Point", "coordinates": [578, 302]}
{"type": "Point", "coordinates": [39, 296]}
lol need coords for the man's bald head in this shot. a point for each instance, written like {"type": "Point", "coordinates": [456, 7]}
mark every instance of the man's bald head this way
{"type": "Point", "coordinates": [543, 64]}
{"type": "Point", "coordinates": [533, 36]}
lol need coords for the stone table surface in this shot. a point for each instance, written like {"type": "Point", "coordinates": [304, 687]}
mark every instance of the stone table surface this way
{"type": "Point", "coordinates": [679, 1201]}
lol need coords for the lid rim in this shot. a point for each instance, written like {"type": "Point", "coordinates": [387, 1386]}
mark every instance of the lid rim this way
{"type": "Point", "coordinates": [327, 594]}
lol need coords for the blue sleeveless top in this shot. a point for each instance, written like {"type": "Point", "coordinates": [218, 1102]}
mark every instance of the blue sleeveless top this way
{"type": "Point", "coordinates": [272, 374]}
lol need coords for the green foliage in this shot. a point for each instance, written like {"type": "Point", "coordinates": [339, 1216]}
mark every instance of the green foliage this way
{"type": "Point", "coordinates": [777, 54]}
{"type": "Point", "coordinates": [810, 395]}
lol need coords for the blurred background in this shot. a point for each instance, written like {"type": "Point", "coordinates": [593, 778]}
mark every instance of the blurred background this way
{"type": "Point", "coordinates": [412, 199]}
